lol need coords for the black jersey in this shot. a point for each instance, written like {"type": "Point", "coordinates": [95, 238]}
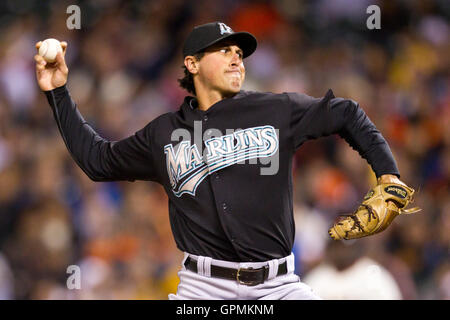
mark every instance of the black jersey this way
{"type": "Point", "coordinates": [227, 171]}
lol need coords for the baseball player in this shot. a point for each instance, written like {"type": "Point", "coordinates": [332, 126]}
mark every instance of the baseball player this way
{"type": "Point", "coordinates": [233, 221]}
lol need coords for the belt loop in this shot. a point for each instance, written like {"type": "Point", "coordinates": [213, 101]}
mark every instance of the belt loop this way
{"type": "Point", "coordinates": [186, 255]}
{"type": "Point", "coordinates": [273, 269]}
{"type": "Point", "coordinates": [207, 266]}
{"type": "Point", "coordinates": [200, 262]}
{"type": "Point", "coordinates": [290, 261]}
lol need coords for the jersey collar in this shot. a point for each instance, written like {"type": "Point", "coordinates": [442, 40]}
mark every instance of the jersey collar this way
{"type": "Point", "coordinates": [192, 103]}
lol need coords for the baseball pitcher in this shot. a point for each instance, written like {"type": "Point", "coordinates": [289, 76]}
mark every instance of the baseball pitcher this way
{"type": "Point", "coordinates": [233, 220]}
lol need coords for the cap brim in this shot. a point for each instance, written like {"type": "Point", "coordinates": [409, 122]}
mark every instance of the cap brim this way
{"type": "Point", "coordinates": [244, 40]}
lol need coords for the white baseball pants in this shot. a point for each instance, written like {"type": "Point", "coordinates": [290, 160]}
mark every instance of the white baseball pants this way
{"type": "Point", "coordinates": [201, 286]}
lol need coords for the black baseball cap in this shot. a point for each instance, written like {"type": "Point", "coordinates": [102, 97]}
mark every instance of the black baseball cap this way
{"type": "Point", "coordinates": [205, 35]}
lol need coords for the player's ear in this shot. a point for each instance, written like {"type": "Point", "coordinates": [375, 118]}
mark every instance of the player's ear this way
{"type": "Point", "coordinates": [191, 64]}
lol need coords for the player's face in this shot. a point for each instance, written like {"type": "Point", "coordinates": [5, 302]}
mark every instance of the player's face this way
{"type": "Point", "coordinates": [222, 68]}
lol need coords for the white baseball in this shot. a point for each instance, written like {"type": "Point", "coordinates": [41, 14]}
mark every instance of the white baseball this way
{"type": "Point", "coordinates": [49, 48]}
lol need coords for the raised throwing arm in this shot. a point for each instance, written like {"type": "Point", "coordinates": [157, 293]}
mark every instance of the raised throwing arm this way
{"type": "Point", "coordinates": [102, 160]}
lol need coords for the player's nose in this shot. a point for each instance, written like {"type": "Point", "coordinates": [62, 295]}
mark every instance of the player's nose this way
{"type": "Point", "coordinates": [236, 58]}
{"type": "Point", "coordinates": [236, 62]}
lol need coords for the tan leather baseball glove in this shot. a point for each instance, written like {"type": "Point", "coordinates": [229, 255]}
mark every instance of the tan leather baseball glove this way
{"type": "Point", "coordinates": [379, 208]}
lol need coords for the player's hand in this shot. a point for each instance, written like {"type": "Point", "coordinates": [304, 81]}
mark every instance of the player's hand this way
{"type": "Point", "coordinates": [51, 75]}
{"type": "Point", "coordinates": [390, 178]}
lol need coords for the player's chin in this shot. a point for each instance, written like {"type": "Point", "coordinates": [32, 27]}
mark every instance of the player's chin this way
{"type": "Point", "coordinates": [235, 86]}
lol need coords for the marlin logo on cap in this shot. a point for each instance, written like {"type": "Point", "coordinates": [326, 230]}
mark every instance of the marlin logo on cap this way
{"type": "Point", "coordinates": [224, 28]}
{"type": "Point", "coordinates": [205, 35]}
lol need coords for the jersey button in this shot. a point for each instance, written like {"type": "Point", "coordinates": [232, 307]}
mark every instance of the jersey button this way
{"type": "Point", "coordinates": [217, 176]}
{"type": "Point", "coordinates": [224, 206]}
{"type": "Point", "coordinates": [205, 117]}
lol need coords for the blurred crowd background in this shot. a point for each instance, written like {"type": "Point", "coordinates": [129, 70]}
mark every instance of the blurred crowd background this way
{"type": "Point", "coordinates": [124, 64]}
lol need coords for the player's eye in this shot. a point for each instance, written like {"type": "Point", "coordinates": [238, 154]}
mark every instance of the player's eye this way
{"type": "Point", "coordinates": [228, 50]}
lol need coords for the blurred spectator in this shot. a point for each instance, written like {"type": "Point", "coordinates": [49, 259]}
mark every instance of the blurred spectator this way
{"type": "Point", "coordinates": [349, 274]}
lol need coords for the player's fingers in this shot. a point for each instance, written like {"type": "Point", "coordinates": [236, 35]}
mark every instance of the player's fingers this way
{"type": "Point", "coordinates": [64, 46]}
{"type": "Point", "coordinates": [38, 45]}
{"type": "Point", "coordinates": [40, 62]}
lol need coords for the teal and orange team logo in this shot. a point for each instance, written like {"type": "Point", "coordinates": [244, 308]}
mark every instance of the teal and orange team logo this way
{"type": "Point", "coordinates": [187, 168]}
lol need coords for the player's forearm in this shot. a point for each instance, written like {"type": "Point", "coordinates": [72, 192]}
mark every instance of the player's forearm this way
{"type": "Point", "coordinates": [363, 136]}
{"type": "Point", "coordinates": [84, 144]}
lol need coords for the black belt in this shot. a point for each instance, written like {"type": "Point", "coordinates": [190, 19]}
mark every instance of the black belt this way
{"type": "Point", "coordinates": [246, 276]}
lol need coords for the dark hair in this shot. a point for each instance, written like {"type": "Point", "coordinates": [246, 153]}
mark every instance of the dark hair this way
{"type": "Point", "coordinates": [187, 82]}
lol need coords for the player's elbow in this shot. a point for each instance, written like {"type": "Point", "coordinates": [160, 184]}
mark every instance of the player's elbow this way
{"type": "Point", "coordinates": [351, 107]}
{"type": "Point", "coordinates": [99, 177]}
{"type": "Point", "coordinates": [354, 117]}
{"type": "Point", "coordinates": [95, 176]}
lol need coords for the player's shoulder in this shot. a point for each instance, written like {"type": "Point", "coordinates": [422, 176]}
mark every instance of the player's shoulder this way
{"type": "Point", "coordinates": [159, 122]}
{"type": "Point", "coordinates": [262, 96]}
{"type": "Point", "coordinates": [259, 94]}
{"type": "Point", "coordinates": [304, 100]}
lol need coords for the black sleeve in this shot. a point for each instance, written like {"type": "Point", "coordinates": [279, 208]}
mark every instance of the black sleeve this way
{"type": "Point", "coordinates": [128, 159]}
{"type": "Point", "coordinates": [319, 117]}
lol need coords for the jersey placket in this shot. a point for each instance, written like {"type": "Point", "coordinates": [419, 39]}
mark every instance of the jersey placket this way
{"type": "Point", "coordinates": [223, 206]}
